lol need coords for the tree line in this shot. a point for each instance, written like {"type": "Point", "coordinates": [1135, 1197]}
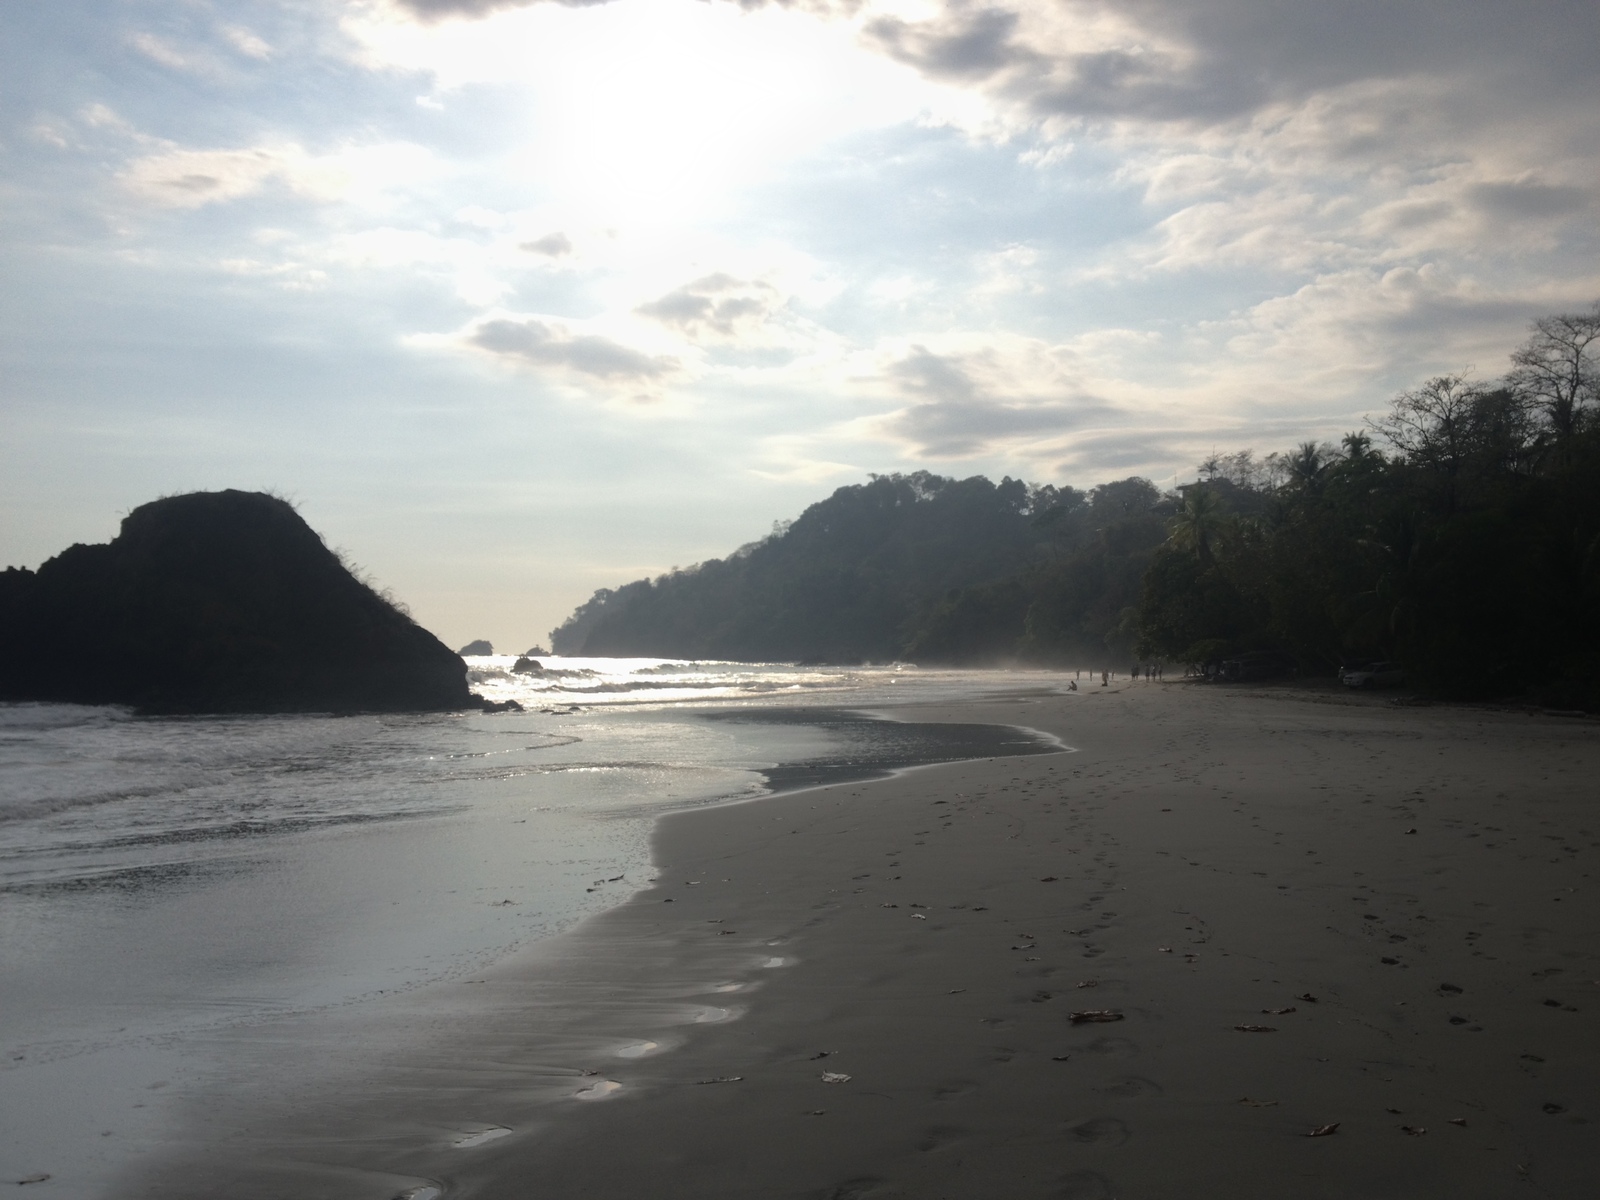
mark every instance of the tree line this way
{"type": "Point", "coordinates": [1458, 535]}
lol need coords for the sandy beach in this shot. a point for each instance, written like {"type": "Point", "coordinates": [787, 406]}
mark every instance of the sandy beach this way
{"type": "Point", "coordinates": [1154, 966]}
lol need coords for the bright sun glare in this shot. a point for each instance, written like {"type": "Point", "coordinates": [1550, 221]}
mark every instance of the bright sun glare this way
{"type": "Point", "coordinates": [651, 112]}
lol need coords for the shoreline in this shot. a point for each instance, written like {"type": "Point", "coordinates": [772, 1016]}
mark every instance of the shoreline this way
{"type": "Point", "coordinates": [261, 937]}
{"type": "Point", "coordinates": [792, 932]}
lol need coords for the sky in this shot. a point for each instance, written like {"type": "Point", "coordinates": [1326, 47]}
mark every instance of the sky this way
{"type": "Point", "coordinates": [519, 300]}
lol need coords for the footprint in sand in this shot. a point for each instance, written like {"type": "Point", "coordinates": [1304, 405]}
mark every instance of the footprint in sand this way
{"type": "Point", "coordinates": [939, 1136]}
{"type": "Point", "coordinates": [603, 1089]}
{"type": "Point", "coordinates": [857, 1189]}
{"type": "Point", "coordinates": [1131, 1087]}
{"type": "Point", "coordinates": [1086, 1185]}
{"type": "Point", "coordinates": [479, 1137]}
{"type": "Point", "coordinates": [1105, 1131]}
{"type": "Point", "coordinates": [1112, 1047]}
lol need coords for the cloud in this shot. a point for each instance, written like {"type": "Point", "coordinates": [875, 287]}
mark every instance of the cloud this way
{"type": "Point", "coordinates": [191, 178]}
{"type": "Point", "coordinates": [1197, 61]}
{"type": "Point", "coordinates": [200, 58]}
{"type": "Point", "coordinates": [159, 50]}
{"type": "Point", "coordinates": [246, 42]}
{"type": "Point", "coordinates": [551, 245]}
{"type": "Point", "coordinates": [443, 10]}
{"type": "Point", "coordinates": [175, 177]}
{"type": "Point", "coordinates": [1097, 456]}
{"type": "Point", "coordinates": [963, 408]}
{"type": "Point", "coordinates": [718, 304]}
{"type": "Point", "coordinates": [1526, 198]}
{"type": "Point", "coordinates": [552, 344]}
{"type": "Point", "coordinates": [1073, 60]}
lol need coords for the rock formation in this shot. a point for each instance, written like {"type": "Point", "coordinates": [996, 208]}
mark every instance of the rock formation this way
{"type": "Point", "coordinates": [216, 602]}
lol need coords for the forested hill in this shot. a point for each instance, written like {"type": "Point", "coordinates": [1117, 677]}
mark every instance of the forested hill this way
{"type": "Point", "coordinates": [1459, 536]}
{"type": "Point", "coordinates": [854, 578]}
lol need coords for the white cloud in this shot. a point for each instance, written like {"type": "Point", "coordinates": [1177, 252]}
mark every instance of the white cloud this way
{"type": "Point", "coordinates": [715, 306]}
{"type": "Point", "coordinates": [182, 178]}
{"type": "Point", "coordinates": [246, 42]}
{"type": "Point", "coordinates": [977, 394]}
{"type": "Point", "coordinates": [160, 50]}
{"type": "Point", "coordinates": [549, 245]}
{"type": "Point", "coordinates": [589, 357]}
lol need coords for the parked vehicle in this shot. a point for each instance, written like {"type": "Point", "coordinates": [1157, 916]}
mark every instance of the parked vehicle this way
{"type": "Point", "coordinates": [1373, 675]}
{"type": "Point", "coordinates": [1258, 664]}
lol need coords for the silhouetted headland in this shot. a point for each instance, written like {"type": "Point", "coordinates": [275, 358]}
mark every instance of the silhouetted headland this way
{"type": "Point", "coordinates": [217, 602]}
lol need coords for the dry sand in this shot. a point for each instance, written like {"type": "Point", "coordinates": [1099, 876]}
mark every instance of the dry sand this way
{"type": "Point", "coordinates": [1402, 897]}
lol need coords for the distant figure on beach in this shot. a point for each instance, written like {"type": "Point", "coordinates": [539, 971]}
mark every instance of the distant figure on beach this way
{"type": "Point", "coordinates": [1105, 678]}
{"type": "Point", "coordinates": [1072, 685]}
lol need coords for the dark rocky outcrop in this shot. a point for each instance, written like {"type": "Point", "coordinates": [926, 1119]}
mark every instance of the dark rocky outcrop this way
{"type": "Point", "coordinates": [527, 666]}
{"type": "Point", "coordinates": [216, 602]}
{"type": "Point", "coordinates": [481, 646]}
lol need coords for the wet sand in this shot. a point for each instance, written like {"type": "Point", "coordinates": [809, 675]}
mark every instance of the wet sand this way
{"type": "Point", "coordinates": [1303, 910]}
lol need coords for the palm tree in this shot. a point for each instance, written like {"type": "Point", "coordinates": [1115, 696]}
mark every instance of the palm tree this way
{"type": "Point", "coordinates": [1306, 464]}
{"type": "Point", "coordinates": [1200, 522]}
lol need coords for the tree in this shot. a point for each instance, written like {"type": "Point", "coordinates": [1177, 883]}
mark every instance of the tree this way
{"type": "Point", "coordinates": [1356, 445]}
{"type": "Point", "coordinates": [1307, 464]}
{"type": "Point", "coordinates": [1433, 426]}
{"type": "Point", "coordinates": [1200, 523]}
{"type": "Point", "coordinates": [1557, 369]}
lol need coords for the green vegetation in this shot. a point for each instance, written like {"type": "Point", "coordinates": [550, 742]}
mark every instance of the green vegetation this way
{"type": "Point", "coordinates": [845, 582]}
{"type": "Point", "coordinates": [1459, 537]}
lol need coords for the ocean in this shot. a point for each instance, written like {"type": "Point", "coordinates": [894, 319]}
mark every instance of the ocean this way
{"type": "Point", "coordinates": [165, 878]}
